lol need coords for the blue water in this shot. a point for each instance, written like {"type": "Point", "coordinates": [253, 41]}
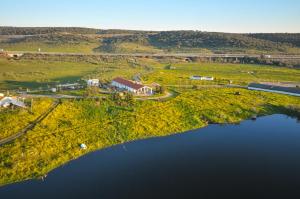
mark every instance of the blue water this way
{"type": "Point", "coordinates": [255, 159]}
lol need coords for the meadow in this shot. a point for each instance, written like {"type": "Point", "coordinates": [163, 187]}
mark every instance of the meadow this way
{"type": "Point", "coordinates": [33, 74]}
{"type": "Point", "coordinates": [33, 46]}
{"type": "Point", "coordinates": [103, 123]}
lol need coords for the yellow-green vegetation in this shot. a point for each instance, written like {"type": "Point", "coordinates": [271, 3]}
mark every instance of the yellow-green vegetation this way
{"type": "Point", "coordinates": [13, 120]}
{"type": "Point", "coordinates": [40, 73]}
{"type": "Point", "coordinates": [103, 123]}
{"type": "Point", "coordinates": [33, 74]}
{"type": "Point", "coordinates": [180, 73]}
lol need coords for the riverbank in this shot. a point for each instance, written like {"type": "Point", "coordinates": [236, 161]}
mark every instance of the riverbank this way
{"type": "Point", "coordinates": [218, 157]}
{"type": "Point", "coordinates": [102, 123]}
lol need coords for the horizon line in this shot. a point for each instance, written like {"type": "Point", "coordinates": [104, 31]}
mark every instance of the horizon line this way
{"type": "Point", "coordinates": [148, 30]}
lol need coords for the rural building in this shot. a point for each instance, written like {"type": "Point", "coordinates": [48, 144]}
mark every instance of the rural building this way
{"type": "Point", "coordinates": [195, 77]}
{"type": "Point", "coordinates": [295, 91]}
{"type": "Point", "coordinates": [132, 87]}
{"type": "Point", "coordinates": [93, 82]}
{"type": "Point", "coordinates": [8, 101]}
{"type": "Point", "coordinates": [14, 55]}
{"type": "Point", "coordinates": [69, 86]}
{"type": "Point", "coordinates": [1, 95]}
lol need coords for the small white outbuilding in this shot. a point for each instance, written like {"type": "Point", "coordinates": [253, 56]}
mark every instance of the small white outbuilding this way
{"type": "Point", "coordinates": [93, 82]}
{"type": "Point", "coordinates": [83, 146]}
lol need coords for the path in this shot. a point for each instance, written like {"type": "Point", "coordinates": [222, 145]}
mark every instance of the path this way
{"type": "Point", "coordinates": [29, 126]}
{"type": "Point", "coordinates": [167, 95]}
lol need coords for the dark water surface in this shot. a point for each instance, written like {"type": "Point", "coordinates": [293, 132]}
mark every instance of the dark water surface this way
{"type": "Point", "coordinates": [256, 159]}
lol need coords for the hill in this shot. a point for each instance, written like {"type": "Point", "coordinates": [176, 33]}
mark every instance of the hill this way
{"type": "Point", "coordinates": [87, 40]}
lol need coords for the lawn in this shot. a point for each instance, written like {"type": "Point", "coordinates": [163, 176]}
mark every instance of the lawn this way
{"type": "Point", "coordinates": [81, 47]}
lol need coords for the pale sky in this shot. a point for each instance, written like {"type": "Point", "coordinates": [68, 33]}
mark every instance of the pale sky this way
{"type": "Point", "coordinates": [204, 15]}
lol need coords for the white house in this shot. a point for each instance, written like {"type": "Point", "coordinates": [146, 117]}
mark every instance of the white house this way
{"type": "Point", "coordinates": [195, 77]}
{"type": "Point", "coordinates": [7, 101]}
{"type": "Point", "coordinates": [132, 87]}
{"type": "Point", "coordinates": [93, 82]}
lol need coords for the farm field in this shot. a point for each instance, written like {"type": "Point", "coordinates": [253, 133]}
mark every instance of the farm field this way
{"type": "Point", "coordinates": [64, 47]}
{"type": "Point", "coordinates": [33, 74]}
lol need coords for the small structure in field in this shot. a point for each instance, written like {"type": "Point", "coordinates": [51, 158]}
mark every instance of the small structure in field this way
{"type": "Point", "coordinates": [83, 146]}
{"type": "Point", "coordinates": [93, 82]}
{"type": "Point", "coordinates": [1, 95]}
{"type": "Point", "coordinates": [138, 89]}
{"type": "Point", "coordinates": [11, 101]}
{"type": "Point", "coordinates": [69, 86]}
{"type": "Point", "coordinates": [15, 55]}
{"type": "Point", "coordinates": [53, 90]}
{"type": "Point", "coordinates": [295, 91]}
{"type": "Point", "coordinates": [196, 77]}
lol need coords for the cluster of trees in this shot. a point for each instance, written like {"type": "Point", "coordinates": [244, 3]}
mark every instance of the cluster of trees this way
{"type": "Point", "coordinates": [123, 99]}
{"type": "Point", "coordinates": [4, 30]}
{"type": "Point", "coordinates": [288, 38]}
{"type": "Point", "coordinates": [54, 38]}
{"type": "Point", "coordinates": [168, 40]}
{"type": "Point", "coordinates": [208, 40]}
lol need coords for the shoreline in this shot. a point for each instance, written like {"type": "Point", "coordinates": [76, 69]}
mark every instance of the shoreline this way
{"type": "Point", "coordinates": [42, 177]}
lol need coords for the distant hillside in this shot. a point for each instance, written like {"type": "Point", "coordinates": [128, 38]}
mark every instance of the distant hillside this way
{"type": "Point", "coordinates": [44, 30]}
{"type": "Point", "coordinates": [73, 39]}
{"type": "Point", "coordinates": [288, 38]}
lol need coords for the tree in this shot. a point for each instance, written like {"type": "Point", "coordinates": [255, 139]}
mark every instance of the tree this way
{"type": "Point", "coordinates": [129, 98]}
{"type": "Point", "coordinates": [160, 89]}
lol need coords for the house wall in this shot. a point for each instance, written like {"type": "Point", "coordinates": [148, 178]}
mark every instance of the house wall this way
{"type": "Point", "coordinates": [122, 86]}
{"type": "Point", "coordinates": [273, 91]}
{"type": "Point", "coordinates": [144, 90]}
{"type": "Point", "coordinates": [202, 78]}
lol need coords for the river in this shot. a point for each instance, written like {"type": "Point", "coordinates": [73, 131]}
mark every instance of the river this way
{"type": "Point", "coordinates": [254, 159]}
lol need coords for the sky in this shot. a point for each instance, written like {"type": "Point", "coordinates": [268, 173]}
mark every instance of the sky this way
{"type": "Point", "coordinates": [242, 16]}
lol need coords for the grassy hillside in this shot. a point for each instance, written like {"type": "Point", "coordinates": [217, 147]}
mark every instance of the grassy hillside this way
{"type": "Point", "coordinates": [194, 41]}
{"type": "Point", "coordinates": [288, 38]}
{"type": "Point", "coordinates": [130, 41]}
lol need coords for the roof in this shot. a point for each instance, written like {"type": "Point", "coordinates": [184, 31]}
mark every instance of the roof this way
{"type": "Point", "coordinates": [12, 100]}
{"type": "Point", "coordinates": [128, 83]}
{"type": "Point", "coordinates": [275, 88]}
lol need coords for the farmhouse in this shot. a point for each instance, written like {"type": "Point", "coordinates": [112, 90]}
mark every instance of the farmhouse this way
{"type": "Point", "coordinates": [93, 82]}
{"type": "Point", "coordinates": [195, 77]}
{"type": "Point", "coordinates": [8, 101]}
{"type": "Point", "coordinates": [275, 89]}
{"type": "Point", "coordinates": [132, 87]}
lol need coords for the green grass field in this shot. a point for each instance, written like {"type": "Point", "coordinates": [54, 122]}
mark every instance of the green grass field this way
{"type": "Point", "coordinates": [238, 73]}
{"type": "Point", "coordinates": [39, 73]}
{"type": "Point", "coordinates": [83, 47]}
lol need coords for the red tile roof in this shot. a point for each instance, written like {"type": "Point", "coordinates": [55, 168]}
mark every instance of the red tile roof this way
{"type": "Point", "coordinates": [128, 83]}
